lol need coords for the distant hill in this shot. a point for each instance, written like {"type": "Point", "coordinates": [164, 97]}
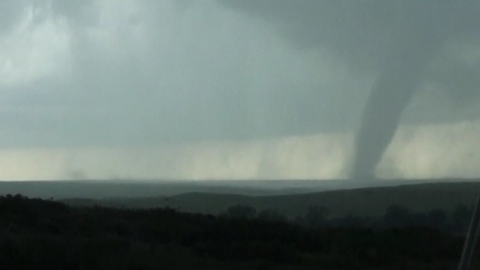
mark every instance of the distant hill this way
{"type": "Point", "coordinates": [371, 201]}
{"type": "Point", "coordinates": [101, 189]}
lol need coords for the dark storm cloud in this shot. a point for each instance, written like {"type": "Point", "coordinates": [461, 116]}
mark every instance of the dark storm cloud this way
{"type": "Point", "coordinates": [364, 32]}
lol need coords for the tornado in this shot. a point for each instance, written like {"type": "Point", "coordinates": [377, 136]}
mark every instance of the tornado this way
{"type": "Point", "coordinates": [396, 39]}
{"type": "Point", "coordinates": [392, 91]}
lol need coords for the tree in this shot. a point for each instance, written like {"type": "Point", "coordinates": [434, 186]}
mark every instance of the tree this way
{"type": "Point", "coordinates": [461, 218]}
{"type": "Point", "coordinates": [271, 215]}
{"type": "Point", "coordinates": [316, 215]}
{"type": "Point", "coordinates": [241, 211]}
{"type": "Point", "coordinates": [437, 218]}
{"type": "Point", "coordinates": [397, 216]}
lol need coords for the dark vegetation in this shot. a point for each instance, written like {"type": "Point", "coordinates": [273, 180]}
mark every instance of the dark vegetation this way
{"type": "Point", "coordinates": [44, 234]}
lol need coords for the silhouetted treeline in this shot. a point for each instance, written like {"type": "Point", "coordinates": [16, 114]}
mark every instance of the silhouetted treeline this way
{"type": "Point", "coordinates": [44, 234]}
{"type": "Point", "coordinates": [396, 216]}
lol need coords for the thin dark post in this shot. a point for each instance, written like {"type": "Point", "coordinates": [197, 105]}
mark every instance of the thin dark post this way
{"type": "Point", "coordinates": [470, 241]}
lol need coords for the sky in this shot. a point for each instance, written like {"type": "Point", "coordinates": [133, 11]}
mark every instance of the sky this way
{"type": "Point", "coordinates": [144, 89]}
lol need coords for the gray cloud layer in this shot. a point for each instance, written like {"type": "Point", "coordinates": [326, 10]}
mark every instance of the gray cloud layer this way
{"type": "Point", "coordinates": [367, 33]}
{"type": "Point", "coordinates": [145, 72]}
